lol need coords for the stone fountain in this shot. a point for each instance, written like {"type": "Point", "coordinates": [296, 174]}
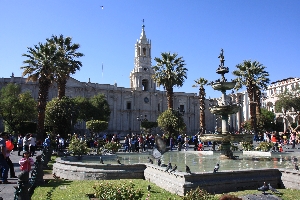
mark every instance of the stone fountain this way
{"type": "Point", "coordinates": [223, 109]}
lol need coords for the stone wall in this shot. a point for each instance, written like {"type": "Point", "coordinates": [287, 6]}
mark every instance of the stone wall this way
{"type": "Point", "coordinates": [96, 171]}
{"type": "Point", "coordinates": [290, 179]}
{"type": "Point", "coordinates": [221, 182]}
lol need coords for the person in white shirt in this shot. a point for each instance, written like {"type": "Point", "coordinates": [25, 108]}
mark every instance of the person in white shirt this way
{"type": "Point", "coordinates": [32, 144]}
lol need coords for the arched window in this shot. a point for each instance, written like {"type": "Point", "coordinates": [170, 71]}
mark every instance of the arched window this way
{"type": "Point", "coordinates": [138, 51]}
{"type": "Point", "coordinates": [145, 84]}
{"type": "Point", "coordinates": [144, 51]}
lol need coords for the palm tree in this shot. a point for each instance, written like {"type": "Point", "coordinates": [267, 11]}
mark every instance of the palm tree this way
{"type": "Point", "coordinates": [65, 63]}
{"type": "Point", "coordinates": [201, 82]}
{"type": "Point", "coordinates": [39, 67]}
{"type": "Point", "coordinates": [254, 77]}
{"type": "Point", "coordinates": [169, 72]}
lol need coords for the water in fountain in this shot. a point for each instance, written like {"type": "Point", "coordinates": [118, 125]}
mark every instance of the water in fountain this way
{"type": "Point", "coordinates": [199, 162]}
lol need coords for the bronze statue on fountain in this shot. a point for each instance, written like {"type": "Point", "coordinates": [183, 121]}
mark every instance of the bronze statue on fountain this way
{"type": "Point", "coordinates": [224, 108]}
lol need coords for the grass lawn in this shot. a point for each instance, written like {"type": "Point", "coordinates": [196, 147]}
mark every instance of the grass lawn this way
{"type": "Point", "coordinates": [63, 189]}
{"type": "Point", "coordinates": [70, 190]}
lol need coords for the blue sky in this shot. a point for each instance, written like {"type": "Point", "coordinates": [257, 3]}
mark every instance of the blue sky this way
{"type": "Point", "coordinates": [267, 31]}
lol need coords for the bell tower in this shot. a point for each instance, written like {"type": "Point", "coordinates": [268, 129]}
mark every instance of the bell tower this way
{"type": "Point", "coordinates": [141, 75]}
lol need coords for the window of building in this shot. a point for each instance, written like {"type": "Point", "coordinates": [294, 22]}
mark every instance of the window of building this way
{"type": "Point", "coordinates": [181, 108]}
{"type": "Point", "coordinates": [145, 84]}
{"type": "Point", "coordinates": [144, 51]}
{"type": "Point", "coordinates": [128, 106]}
{"type": "Point", "coordinates": [158, 107]}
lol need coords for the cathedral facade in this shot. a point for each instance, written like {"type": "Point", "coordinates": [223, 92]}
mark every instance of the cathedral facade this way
{"type": "Point", "coordinates": [141, 100]}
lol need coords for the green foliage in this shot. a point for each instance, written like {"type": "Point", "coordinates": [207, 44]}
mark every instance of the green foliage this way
{"type": "Point", "coordinates": [27, 127]}
{"type": "Point", "coordinates": [16, 107]}
{"type": "Point", "coordinates": [77, 147]}
{"type": "Point", "coordinates": [62, 115]}
{"type": "Point", "coordinates": [39, 67]}
{"type": "Point", "coordinates": [112, 146]}
{"type": "Point", "coordinates": [264, 146]}
{"type": "Point", "coordinates": [198, 194]}
{"type": "Point", "coordinates": [169, 72]}
{"type": "Point", "coordinates": [96, 126]}
{"type": "Point", "coordinates": [148, 125]}
{"type": "Point", "coordinates": [64, 62]}
{"type": "Point", "coordinates": [121, 191]}
{"type": "Point", "coordinates": [247, 146]}
{"type": "Point", "coordinates": [247, 126]}
{"type": "Point", "coordinates": [266, 120]}
{"type": "Point", "coordinates": [95, 108]}
{"type": "Point", "coordinates": [170, 122]}
{"type": "Point", "coordinates": [289, 101]}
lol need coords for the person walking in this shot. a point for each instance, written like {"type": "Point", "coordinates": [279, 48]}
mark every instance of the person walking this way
{"type": "Point", "coordinates": [26, 142]}
{"type": "Point", "coordinates": [20, 144]}
{"type": "Point", "coordinates": [3, 162]}
{"type": "Point", "coordinates": [10, 165]}
{"type": "Point", "coordinates": [32, 144]}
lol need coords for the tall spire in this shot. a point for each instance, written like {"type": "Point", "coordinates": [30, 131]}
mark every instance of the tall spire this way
{"type": "Point", "coordinates": [143, 38]}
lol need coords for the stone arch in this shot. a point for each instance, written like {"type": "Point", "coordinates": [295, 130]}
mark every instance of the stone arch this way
{"type": "Point", "coordinates": [145, 84]}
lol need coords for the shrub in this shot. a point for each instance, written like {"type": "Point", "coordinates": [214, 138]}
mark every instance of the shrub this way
{"type": "Point", "coordinates": [247, 146]}
{"type": "Point", "coordinates": [112, 146]}
{"type": "Point", "coordinates": [265, 146]}
{"type": "Point", "coordinates": [122, 191]}
{"type": "Point", "coordinates": [77, 147]}
{"type": "Point", "coordinates": [198, 194]}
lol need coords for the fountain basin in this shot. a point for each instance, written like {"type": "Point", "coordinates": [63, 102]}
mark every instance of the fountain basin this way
{"type": "Point", "coordinates": [224, 109]}
{"type": "Point", "coordinates": [222, 86]}
{"type": "Point", "coordinates": [226, 137]}
{"type": "Point", "coordinates": [134, 164]}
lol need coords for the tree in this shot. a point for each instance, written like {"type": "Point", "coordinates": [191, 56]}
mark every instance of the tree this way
{"type": "Point", "coordinates": [171, 123]}
{"type": "Point", "coordinates": [62, 115]}
{"type": "Point", "coordinates": [148, 125]}
{"type": "Point", "coordinates": [96, 126]}
{"type": "Point", "coordinates": [289, 101]}
{"type": "Point", "coordinates": [169, 72]}
{"type": "Point", "coordinates": [39, 67]}
{"type": "Point", "coordinates": [66, 63]}
{"type": "Point", "coordinates": [85, 108]}
{"type": "Point", "coordinates": [253, 76]}
{"type": "Point", "coordinates": [101, 110]}
{"type": "Point", "coordinates": [266, 120]}
{"type": "Point", "coordinates": [16, 107]}
{"type": "Point", "coordinates": [201, 82]}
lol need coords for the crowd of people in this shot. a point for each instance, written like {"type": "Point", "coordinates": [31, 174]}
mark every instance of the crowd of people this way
{"type": "Point", "coordinates": [6, 147]}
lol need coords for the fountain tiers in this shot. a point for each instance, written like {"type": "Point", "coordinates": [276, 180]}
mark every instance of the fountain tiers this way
{"type": "Point", "coordinates": [224, 110]}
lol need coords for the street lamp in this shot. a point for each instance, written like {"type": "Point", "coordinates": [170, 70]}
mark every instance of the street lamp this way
{"type": "Point", "coordinates": [180, 112]}
{"type": "Point", "coordinates": [142, 119]}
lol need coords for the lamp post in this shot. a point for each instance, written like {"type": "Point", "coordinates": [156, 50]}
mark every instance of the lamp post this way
{"type": "Point", "coordinates": [142, 119]}
{"type": "Point", "coordinates": [179, 113]}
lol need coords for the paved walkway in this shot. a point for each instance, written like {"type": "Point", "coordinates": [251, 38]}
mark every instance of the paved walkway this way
{"type": "Point", "coordinates": [7, 191]}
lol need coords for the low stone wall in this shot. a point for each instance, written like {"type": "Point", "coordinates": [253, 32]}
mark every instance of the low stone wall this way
{"type": "Point", "coordinates": [71, 170]}
{"type": "Point", "coordinates": [290, 178]}
{"type": "Point", "coordinates": [221, 182]}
